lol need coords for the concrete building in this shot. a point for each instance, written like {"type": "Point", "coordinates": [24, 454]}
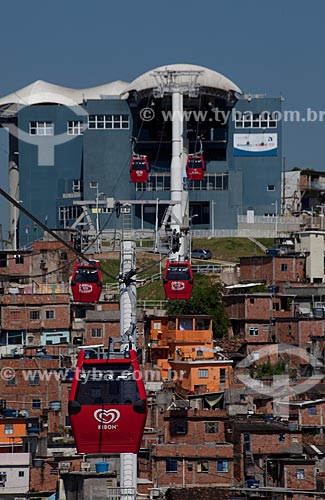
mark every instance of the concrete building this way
{"type": "Point", "coordinates": [70, 149]}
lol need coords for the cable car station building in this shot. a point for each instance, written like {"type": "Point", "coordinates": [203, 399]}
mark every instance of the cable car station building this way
{"type": "Point", "coordinates": [69, 146]}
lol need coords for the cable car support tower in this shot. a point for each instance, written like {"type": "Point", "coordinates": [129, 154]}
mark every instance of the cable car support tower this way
{"type": "Point", "coordinates": [177, 84]}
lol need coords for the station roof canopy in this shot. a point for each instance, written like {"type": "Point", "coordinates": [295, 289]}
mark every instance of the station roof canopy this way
{"type": "Point", "coordinates": [41, 92]}
{"type": "Point", "coordinates": [207, 78]}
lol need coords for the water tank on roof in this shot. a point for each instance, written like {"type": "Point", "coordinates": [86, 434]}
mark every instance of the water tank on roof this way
{"type": "Point", "coordinates": [10, 413]}
{"type": "Point", "coordinates": [55, 405]}
{"type": "Point", "coordinates": [318, 312]}
{"type": "Point", "coordinates": [101, 466]}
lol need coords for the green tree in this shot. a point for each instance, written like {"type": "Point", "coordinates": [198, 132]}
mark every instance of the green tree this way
{"type": "Point", "coordinates": [206, 299]}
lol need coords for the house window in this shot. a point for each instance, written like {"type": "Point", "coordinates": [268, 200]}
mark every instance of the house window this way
{"type": "Point", "coordinates": [34, 315]}
{"type": "Point", "coordinates": [179, 427]}
{"type": "Point", "coordinates": [312, 410]}
{"type": "Point", "coordinates": [3, 478]}
{"type": "Point", "coordinates": [157, 325]}
{"type": "Point", "coordinates": [34, 379]}
{"type": "Point", "coordinates": [222, 375]}
{"type": "Point", "coordinates": [202, 466]}
{"type": "Point", "coordinates": [284, 267]}
{"type": "Point", "coordinates": [271, 187]}
{"type": "Point", "coordinates": [300, 473]}
{"type": "Point", "coordinates": [251, 300]}
{"type": "Point", "coordinates": [75, 127]}
{"type": "Point", "coordinates": [9, 428]}
{"type": "Point", "coordinates": [171, 465]}
{"type": "Point", "coordinates": [41, 128]}
{"type": "Point", "coordinates": [211, 427]}
{"type": "Point", "coordinates": [109, 122]}
{"type": "Point", "coordinates": [15, 314]}
{"type": "Point", "coordinates": [222, 465]}
{"type": "Point", "coordinates": [203, 373]}
{"type": "Point", "coordinates": [50, 314]}
{"type": "Point", "coordinates": [282, 437]}
{"type": "Point", "coordinates": [294, 439]}
{"type": "Point", "coordinates": [36, 404]}
{"type": "Point", "coordinates": [19, 259]}
{"type": "Point", "coordinates": [3, 260]}
{"type": "Point", "coordinates": [63, 256]}
{"type": "Point", "coordinates": [253, 331]}
{"type": "Point", "coordinates": [11, 381]}
{"type": "Point", "coordinates": [21, 473]}
{"type": "Point", "coordinates": [96, 332]}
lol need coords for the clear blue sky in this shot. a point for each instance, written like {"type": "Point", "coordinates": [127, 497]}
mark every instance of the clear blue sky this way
{"type": "Point", "coordinates": [273, 48]}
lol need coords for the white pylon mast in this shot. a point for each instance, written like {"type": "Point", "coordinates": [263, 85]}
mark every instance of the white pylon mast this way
{"type": "Point", "coordinates": [178, 84]}
{"type": "Point", "coordinates": [128, 335]}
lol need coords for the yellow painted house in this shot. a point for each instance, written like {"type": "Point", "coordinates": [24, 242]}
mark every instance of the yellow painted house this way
{"type": "Point", "coordinates": [183, 350]}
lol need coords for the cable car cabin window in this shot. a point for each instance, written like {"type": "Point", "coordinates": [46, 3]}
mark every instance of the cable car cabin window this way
{"type": "Point", "coordinates": [139, 165]}
{"type": "Point", "coordinates": [194, 163]}
{"type": "Point", "coordinates": [107, 386]}
{"type": "Point", "coordinates": [178, 273]}
{"type": "Point", "coordinates": [86, 276]}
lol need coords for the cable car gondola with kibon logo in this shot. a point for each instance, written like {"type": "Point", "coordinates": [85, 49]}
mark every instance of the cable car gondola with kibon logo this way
{"type": "Point", "coordinates": [86, 282]}
{"type": "Point", "coordinates": [178, 280]}
{"type": "Point", "coordinates": [107, 404]}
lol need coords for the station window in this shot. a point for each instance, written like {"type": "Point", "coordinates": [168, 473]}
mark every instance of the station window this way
{"type": "Point", "coordinates": [247, 119]}
{"type": "Point", "coordinates": [76, 186]}
{"type": "Point", "coordinates": [109, 122]}
{"type": "Point", "coordinates": [75, 127]}
{"type": "Point", "coordinates": [41, 128]}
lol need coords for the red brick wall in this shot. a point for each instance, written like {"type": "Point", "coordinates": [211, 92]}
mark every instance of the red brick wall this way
{"type": "Point", "coordinates": [268, 443]}
{"type": "Point", "coordinates": [51, 388]}
{"type": "Point", "coordinates": [269, 269]}
{"type": "Point", "coordinates": [15, 311]}
{"type": "Point", "coordinates": [188, 460]}
{"type": "Point", "coordinates": [290, 473]}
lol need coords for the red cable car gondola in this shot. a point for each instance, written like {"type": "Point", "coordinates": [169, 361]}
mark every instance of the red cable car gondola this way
{"type": "Point", "coordinates": [107, 405]}
{"type": "Point", "coordinates": [178, 280]}
{"type": "Point", "coordinates": [195, 167]}
{"type": "Point", "coordinates": [139, 168]}
{"type": "Point", "coordinates": [86, 282]}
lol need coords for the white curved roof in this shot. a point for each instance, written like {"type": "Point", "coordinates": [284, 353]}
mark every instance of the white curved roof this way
{"type": "Point", "coordinates": [207, 78]}
{"type": "Point", "coordinates": [41, 92]}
